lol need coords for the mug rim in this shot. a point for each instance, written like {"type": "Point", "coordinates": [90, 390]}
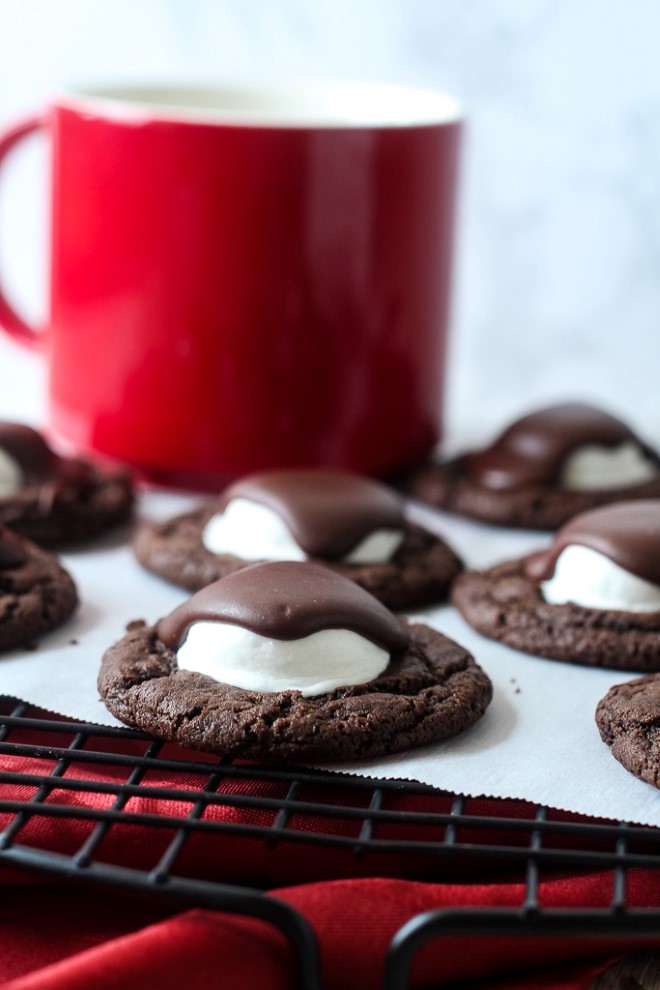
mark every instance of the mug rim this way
{"type": "Point", "coordinates": [341, 103]}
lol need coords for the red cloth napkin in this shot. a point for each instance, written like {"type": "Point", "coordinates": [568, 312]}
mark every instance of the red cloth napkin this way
{"type": "Point", "coordinates": [62, 939]}
{"type": "Point", "coordinates": [65, 938]}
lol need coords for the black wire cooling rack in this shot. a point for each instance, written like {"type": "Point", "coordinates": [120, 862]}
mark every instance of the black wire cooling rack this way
{"type": "Point", "coordinates": [129, 800]}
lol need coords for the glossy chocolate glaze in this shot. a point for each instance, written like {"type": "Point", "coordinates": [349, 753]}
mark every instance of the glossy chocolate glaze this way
{"type": "Point", "coordinates": [328, 512]}
{"type": "Point", "coordinates": [286, 600]}
{"type": "Point", "coordinates": [12, 553]}
{"type": "Point", "coordinates": [29, 449]}
{"type": "Point", "coordinates": [532, 450]}
{"type": "Point", "coordinates": [41, 465]}
{"type": "Point", "coordinates": [627, 533]}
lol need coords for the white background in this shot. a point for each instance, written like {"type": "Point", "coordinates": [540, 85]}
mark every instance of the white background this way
{"type": "Point", "coordinates": [558, 269]}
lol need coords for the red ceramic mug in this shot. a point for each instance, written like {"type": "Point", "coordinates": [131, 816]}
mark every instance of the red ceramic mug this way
{"type": "Point", "coordinates": [244, 278]}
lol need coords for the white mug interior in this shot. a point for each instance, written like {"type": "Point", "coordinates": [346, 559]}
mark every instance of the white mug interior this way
{"type": "Point", "coordinates": [295, 104]}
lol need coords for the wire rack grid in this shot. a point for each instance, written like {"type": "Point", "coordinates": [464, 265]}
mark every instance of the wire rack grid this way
{"type": "Point", "coordinates": [114, 807]}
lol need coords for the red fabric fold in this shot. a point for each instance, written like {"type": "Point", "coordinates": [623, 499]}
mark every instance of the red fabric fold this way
{"type": "Point", "coordinates": [55, 937]}
{"type": "Point", "coordinates": [354, 921]}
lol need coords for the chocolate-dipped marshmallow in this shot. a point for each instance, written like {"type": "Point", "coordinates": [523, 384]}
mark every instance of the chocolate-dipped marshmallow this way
{"type": "Point", "coordinates": [296, 514]}
{"type": "Point", "coordinates": [52, 499]}
{"type": "Point", "coordinates": [544, 469]}
{"type": "Point", "coordinates": [541, 449]}
{"type": "Point", "coordinates": [287, 600]}
{"type": "Point", "coordinates": [25, 457]}
{"type": "Point", "coordinates": [284, 626]}
{"type": "Point", "coordinates": [608, 558]}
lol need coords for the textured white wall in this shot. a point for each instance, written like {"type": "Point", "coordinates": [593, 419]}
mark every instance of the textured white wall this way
{"type": "Point", "coordinates": [558, 273]}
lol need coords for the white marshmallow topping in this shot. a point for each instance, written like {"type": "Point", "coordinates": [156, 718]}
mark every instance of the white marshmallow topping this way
{"type": "Point", "coordinates": [588, 578]}
{"type": "Point", "coordinates": [254, 532]}
{"type": "Point", "coordinates": [594, 466]}
{"type": "Point", "coordinates": [313, 665]}
{"type": "Point", "coordinates": [11, 475]}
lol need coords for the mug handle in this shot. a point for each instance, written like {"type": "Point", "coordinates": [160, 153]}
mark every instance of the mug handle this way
{"type": "Point", "coordinates": [10, 321]}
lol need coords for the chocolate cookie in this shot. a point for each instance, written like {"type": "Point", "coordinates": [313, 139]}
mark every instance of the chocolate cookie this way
{"type": "Point", "coordinates": [517, 481]}
{"type": "Point", "coordinates": [505, 604]}
{"type": "Point", "coordinates": [36, 593]}
{"type": "Point", "coordinates": [59, 501]}
{"type": "Point", "coordinates": [420, 572]}
{"type": "Point", "coordinates": [628, 719]}
{"type": "Point", "coordinates": [432, 692]}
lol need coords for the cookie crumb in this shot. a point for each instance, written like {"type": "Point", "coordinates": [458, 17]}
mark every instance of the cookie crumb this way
{"type": "Point", "coordinates": [135, 624]}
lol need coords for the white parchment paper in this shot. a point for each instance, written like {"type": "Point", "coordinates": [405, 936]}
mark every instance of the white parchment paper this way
{"type": "Point", "coordinates": [538, 740]}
